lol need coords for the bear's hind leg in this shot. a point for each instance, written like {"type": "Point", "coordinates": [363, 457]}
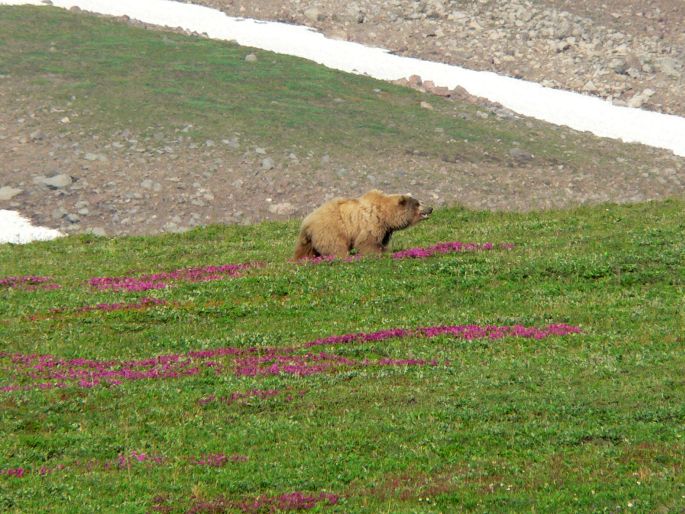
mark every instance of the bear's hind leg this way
{"type": "Point", "coordinates": [331, 246]}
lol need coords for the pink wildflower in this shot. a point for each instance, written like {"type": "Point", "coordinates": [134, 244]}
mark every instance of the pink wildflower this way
{"type": "Point", "coordinates": [13, 472]}
{"type": "Point", "coordinates": [442, 248]}
{"type": "Point", "coordinates": [161, 280]}
{"type": "Point", "coordinates": [28, 283]}
{"type": "Point", "coordinates": [49, 372]}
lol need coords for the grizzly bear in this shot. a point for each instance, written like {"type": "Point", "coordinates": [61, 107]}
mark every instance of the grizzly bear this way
{"type": "Point", "coordinates": [365, 224]}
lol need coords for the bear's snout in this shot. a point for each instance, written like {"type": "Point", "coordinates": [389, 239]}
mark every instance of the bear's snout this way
{"type": "Point", "coordinates": [425, 212]}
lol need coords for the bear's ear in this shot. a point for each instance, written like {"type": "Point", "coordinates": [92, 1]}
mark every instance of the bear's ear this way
{"type": "Point", "coordinates": [403, 200]}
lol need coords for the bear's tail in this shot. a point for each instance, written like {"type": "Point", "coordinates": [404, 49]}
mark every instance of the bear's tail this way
{"type": "Point", "coordinates": [304, 248]}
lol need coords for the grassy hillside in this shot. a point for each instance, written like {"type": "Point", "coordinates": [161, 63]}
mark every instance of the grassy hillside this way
{"type": "Point", "coordinates": [113, 76]}
{"type": "Point", "coordinates": [583, 422]}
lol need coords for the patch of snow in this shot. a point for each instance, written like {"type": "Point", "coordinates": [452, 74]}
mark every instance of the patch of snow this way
{"type": "Point", "coordinates": [14, 228]}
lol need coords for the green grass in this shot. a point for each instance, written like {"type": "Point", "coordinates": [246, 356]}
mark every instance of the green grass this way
{"type": "Point", "coordinates": [581, 423]}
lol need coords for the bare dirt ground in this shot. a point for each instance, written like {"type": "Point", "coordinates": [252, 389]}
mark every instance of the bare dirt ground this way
{"type": "Point", "coordinates": [123, 183]}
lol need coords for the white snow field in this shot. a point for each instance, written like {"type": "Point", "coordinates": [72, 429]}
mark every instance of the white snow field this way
{"type": "Point", "coordinates": [580, 112]}
{"type": "Point", "coordinates": [16, 229]}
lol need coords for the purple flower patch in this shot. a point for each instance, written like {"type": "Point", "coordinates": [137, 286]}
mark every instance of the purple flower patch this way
{"type": "Point", "coordinates": [141, 304]}
{"type": "Point", "coordinates": [290, 501]}
{"type": "Point", "coordinates": [451, 247]}
{"type": "Point", "coordinates": [421, 252]}
{"type": "Point", "coordinates": [49, 371]}
{"type": "Point", "coordinates": [161, 280]}
{"type": "Point", "coordinates": [124, 461]}
{"type": "Point", "coordinates": [13, 472]}
{"type": "Point", "coordinates": [462, 331]}
{"type": "Point", "coordinates": [296, 500]}
{"type": "Point", "coordinates": [28, 283]}
{"type": "Point", "coordinates": [134, 458]}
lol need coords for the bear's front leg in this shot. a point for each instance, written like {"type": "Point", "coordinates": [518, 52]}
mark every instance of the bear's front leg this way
{"type": "Point", "coordinates": [369, 247]}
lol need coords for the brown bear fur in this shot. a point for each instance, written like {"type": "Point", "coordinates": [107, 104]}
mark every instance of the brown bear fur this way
{"type": "Point", "coordinates": [365, 223]}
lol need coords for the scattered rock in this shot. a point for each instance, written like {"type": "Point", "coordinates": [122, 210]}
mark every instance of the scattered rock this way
{"type": "Point", "coordinates": [58, 213]}
{"type": "Point", "coordinates": [72, 218]}
{"type": "Point", "coordinates": [268, 164]}
{"type": "Point", "coordinates": [7, 193]}
{"type": "Point", "coordinates": [618, 66]}
{"type": "Point", "coordinates": [250, 58]}
{"type": "Point", "coordinates": [639, 100]}
{"type": "Point", "coordinates": [520, 155]}
{"type": "Point", "coordinates": [313, 14]}
{"type": "Point", "coordinates": [59, 181]}
{"type": "Point", "coordinates": [37, 135]}
{"type": "Point", "coordinates": [97, 231]}
{"type": "Point", "coordinates": [414, 81]}
{"type": "Point", "coordinates": [426, 105]}
{"type": "Point", "coordinates": [282, 209]}
{"type": "Point", "coordinates": [590, 87]}
{"type": "Point", "coordinates": [339, 34]}
{"type": "Point", "coordinates": [94, 157]}
{"type": "Point", "coordinates": [670, 67]}
{"type": "Point", "coordinates": [231, 143]}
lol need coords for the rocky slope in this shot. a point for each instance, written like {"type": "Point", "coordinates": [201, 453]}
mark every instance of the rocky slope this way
{"type": "Point", "coordinates": [631, 52]}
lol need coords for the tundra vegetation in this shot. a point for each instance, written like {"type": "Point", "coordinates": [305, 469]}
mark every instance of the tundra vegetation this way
{"type": "Point", "coordinates": [491, 361]}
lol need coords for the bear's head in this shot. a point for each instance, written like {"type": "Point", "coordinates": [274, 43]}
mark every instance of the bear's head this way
{"type": "Point", "coordinates": [399, 211]}
{"type": "Point", "coordinates": [411, 211]}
